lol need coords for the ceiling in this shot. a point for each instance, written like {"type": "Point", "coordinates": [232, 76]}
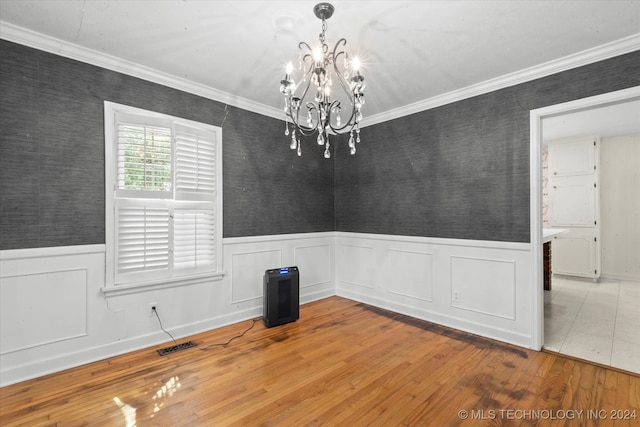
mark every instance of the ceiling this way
{"type": "Point", "coordinates": [411, 50]}
{"type": "Point", "coordinates": [605, 121]}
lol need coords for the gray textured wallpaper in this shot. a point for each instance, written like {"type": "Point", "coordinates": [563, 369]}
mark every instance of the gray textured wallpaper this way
{"type": "Point", "coordinates": [460, 170]}
{"type": "Point", "coordinates": [268, 189]}
{"type": "Point", "coordinates": [457, 171]}
{"type": "Point", "coordinates": [52, 155]}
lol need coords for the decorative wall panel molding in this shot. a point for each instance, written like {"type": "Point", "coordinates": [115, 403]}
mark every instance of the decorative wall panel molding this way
{"type": "Point", "coordinates": [410, 274]}
{"type": "Point", "coordinates": [315, 264]}
{"type": "Point", "coordinates": [355, 265]}
{"type": "Point", "coordinates": [418, 276]}
{"type": "Point", "coordinates": [42, 308]}
{"type": "Point", "coordinates": [247, 271]}
{"type": "Point", "coordinates": [487, 286]}
{"type": "Point", "coordinates": [80, 324]}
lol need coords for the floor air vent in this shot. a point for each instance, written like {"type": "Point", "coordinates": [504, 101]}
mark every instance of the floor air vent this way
{"type": "Point", "coordinates": [174, 348]}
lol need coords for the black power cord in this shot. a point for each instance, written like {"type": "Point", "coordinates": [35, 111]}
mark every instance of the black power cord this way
{"type": "Point", "coordinates": [231, 339]}
{"type": "Point", "coordinates": [155, 310]}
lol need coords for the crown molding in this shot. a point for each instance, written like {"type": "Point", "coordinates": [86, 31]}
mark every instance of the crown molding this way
{"type": "Point", "coordinates": [45, 43]}
{"type": "Point", "coordinates": [39, 41]}
{"type": "Point", "coordinates": [585, 57]}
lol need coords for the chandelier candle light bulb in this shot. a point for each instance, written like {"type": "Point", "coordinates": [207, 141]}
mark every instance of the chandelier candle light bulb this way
{"type": "Point", "coordinates": [320, 113]}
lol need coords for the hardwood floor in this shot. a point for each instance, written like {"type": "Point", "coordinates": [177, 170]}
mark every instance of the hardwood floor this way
{"type": "Point", "coordinates": [342, 363]}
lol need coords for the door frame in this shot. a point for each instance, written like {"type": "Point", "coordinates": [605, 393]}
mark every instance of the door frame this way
{"type": "Point", "coordinates": [535, 190]}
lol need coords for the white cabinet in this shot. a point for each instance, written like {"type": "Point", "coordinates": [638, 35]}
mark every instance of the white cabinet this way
{"type": "Point", "coordinates": [570, 157]}
{"type": "Point", "coordinates": [575, 254]}
{"type": "Point", "coordinates": [575, 205]}
{"type": "Point", "coordinates": [573, 201]}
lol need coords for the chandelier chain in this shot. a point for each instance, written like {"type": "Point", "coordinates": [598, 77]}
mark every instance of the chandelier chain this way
{"type": "Point", "coordinates": [324, 30]}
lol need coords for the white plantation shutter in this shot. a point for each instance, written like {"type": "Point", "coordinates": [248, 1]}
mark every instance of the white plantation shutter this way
{"type": "Point", "coordinates": [143, 239]}
{"type": "Point", "coordinates": [144, 155]}
{"type": "Point", "coordinates": [194, 239]}
{"type": "Point", "coordinates": [195, 162]}
{"type": "Point", "coordinates": [164, 201]}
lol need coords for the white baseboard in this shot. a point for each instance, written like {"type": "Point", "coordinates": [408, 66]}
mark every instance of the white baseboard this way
{"type": "Point", "coordinates": [507, 336]}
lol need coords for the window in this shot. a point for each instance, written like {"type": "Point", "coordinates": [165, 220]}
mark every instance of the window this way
{"type": "Point", "coordinates": [163, 197]}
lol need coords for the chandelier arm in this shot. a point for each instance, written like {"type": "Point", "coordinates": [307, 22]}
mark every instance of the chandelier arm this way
{"type": "Point", "coordinates": [336, 55]}
{"type": "Point", "coordinates": [297, 125]}
{"type": "Point", "coordinates": [310, 130]}
{"type": "Point", "coordinates": [309, 49]}
{"type": "Point", "coordinates": [336, 130]}
{"type": "Point", "coordinates": [325, 49]}
{"type": "Point", "coordinates": [341, 79]}
{"type": "Point", "coordinates": [306, 131]}
{"type": "Point", "coordinates": [303, 130]}
{"type": "Point", "coordinates": [335, 48]}
{"type": "Point", "coordinates": [307, 79]}
{"type": "Point", "coordinates": [293, 119]}
{"type": "Point", "coordinates": [308, 55]}
{"type": "Point", "coordinates": [350, 122]}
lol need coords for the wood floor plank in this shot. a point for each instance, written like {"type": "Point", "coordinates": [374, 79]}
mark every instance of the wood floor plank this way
{"type": "Point", "coordinates": [342, 363]}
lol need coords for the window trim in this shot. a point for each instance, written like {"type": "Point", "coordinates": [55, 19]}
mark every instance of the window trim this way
{"type": "Point", "coordinates": [111, 286]}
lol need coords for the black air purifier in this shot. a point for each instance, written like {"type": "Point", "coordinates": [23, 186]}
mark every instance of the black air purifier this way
{"type": "Point", "coordinates": [281, 296]}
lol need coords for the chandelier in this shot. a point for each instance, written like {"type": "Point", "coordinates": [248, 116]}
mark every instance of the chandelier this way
{"type": "Point", "coordinates": [328, 99]}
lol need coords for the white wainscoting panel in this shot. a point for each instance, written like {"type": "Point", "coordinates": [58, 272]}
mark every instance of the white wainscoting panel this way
{"type": "Point", "coordinates": [247, 271]}
{"type": "Point", "coordinates": [474, 279]}
{"type": "Point", "coordinates": [56, 315]}
{"type": "Point", "coordinates": [250, 257]}
{"type": "Point", "coordinates": [38, 320]}
{"type": "Point", "coordinates": [409, 273]}
{"type": "Point", "coordinates": [417, 276]}
{"type": "Point", "coordinates": [47, 309]}
{"type": "Point", "coordinates": [355, 264]}
{"type": "Point", "coordinates": [317, 264]}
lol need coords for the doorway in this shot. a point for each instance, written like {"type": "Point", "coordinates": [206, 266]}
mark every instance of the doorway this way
{"type": "Point", "coordinates": [543, 127]}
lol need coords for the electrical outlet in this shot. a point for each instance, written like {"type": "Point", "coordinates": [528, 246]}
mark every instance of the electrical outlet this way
{"type": "Point", "coordinates": [456, 296]}
{"type": "Point", "coordinates": [152, 308]}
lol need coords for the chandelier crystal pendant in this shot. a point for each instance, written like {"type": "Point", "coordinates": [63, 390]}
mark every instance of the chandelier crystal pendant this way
{"type": "Point", "coordinates": [329, 97]}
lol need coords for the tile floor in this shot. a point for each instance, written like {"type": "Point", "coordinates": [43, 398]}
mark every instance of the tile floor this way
{"type": "Point", "coordinates": [594, 321]}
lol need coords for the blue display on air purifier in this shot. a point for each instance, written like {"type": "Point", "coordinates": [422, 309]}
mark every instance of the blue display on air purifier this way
{"type": "Point", "coordinates": [284, 271]}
